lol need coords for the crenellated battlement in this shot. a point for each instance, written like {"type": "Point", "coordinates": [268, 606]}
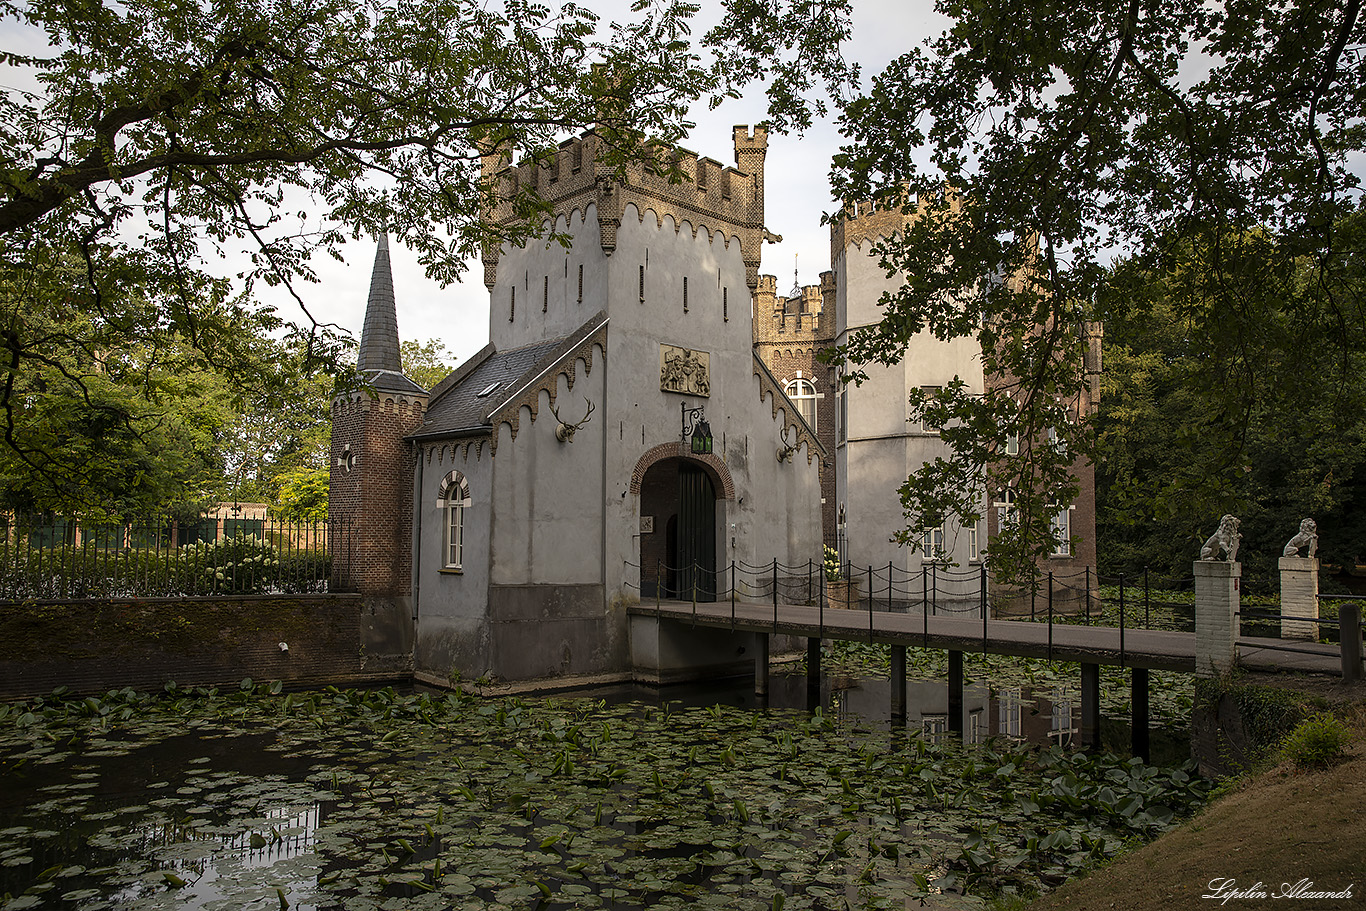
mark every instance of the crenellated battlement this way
{"type": "Point", "coordinates": [807, 318]}
{"type": "Point", "coordinates": [868, 221]}
{"type": "Point", "coordinates": [727, 200]}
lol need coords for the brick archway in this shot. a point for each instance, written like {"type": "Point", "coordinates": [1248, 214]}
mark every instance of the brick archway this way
{"type": "Point", "coordinates": [711, 464]}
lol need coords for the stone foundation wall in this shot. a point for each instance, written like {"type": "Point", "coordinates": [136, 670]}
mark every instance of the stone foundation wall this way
{"type": "Point", "coordinates": [96, 646]}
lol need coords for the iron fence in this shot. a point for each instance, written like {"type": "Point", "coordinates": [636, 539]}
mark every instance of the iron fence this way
{"type": "Point", "coordinates": [64, 559]}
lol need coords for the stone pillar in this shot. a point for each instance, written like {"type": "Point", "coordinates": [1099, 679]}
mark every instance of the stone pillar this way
{"type": "Point", "coordinates": [1216, 626]}
{"type": "Point", "coordinates": [1299, 597]}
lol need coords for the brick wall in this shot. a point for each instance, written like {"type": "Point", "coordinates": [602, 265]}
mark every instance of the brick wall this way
{"type": "Point", "coordinates": [96, 646]}
{"type": "Point", "coordinates": [370, 491]}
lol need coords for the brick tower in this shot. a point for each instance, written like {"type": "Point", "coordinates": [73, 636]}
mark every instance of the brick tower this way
{"type": "Point", "coordinates": [370, 489]}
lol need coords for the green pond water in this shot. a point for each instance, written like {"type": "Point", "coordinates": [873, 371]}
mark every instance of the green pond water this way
{"type": "Point", "coordinates": [253, 799]}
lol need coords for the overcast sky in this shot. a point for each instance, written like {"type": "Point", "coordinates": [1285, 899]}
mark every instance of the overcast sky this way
{"type": "Point", "coordinates": [797, 192]}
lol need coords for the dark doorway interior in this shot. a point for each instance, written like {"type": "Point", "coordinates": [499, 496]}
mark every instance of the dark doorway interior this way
{"type": "Point", "coordinates": [678, 559]}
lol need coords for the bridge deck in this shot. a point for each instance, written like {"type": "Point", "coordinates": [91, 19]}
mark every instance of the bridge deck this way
{"type": "Point", "coordinates": [1156, 649]}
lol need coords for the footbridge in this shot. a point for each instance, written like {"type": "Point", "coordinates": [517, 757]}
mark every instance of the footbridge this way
{"type": "Point", "coordinates": [1141, 650]}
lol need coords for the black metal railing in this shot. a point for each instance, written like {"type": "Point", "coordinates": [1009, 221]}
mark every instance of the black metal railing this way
{"type": "Point", "coordinates": [59, 559]}
{"type": "Point", "coordinates": [934, 589]}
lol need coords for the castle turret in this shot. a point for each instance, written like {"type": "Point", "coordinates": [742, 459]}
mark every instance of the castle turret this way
{"type": "Point", "coordinates": [370, 482]}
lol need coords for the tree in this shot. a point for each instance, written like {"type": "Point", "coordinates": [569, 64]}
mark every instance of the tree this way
{"type": "Point", "coordinates": [426, 363]}
{"type": "Point", "coordinates": [153, 137]}
{"type": "Point", "coordinates": [1170, 416]}
{"type": "Point", "coordinates": [302, 496]}
{"type": "Point", "coordinates": [1032, 142]}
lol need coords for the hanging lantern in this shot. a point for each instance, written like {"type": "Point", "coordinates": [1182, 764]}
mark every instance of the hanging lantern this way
{"type": "Point", "coordinates": [701, 439]}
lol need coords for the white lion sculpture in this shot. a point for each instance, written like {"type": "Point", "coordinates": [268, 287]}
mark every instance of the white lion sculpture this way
{"type": "Point", "coordinates": [1225, 540]}
{"type": "Point", "coordinates": [1308, 537]}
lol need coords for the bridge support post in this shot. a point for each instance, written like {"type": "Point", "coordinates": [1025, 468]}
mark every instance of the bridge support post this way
{"type": "Point", "coordinates": [898, 683]}
{"type": "Point", "coordinates": [1090, 706]}
{"type": "Point", "coordinates": [1138, 713]}
{"type": "Point", "coordinates": [761, 664]}
{"type": "Point", "coordinates": [1216, 621]}
{"type": "Point", "coordinates": [1349, 635]}
{"type": "Point", "coordinates": [813, 673]}
{"type": "Point", "coordinates": [956, 693]}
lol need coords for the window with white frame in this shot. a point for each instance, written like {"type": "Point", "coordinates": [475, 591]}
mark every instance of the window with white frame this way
{"type": "Point", "coordinates": [455, 499]}
{"type": "Point", "coordinates": [1061, 528]}
{"type": "Point", "coordinates": [1006, 511]}
{"type": "Point", "coordinates": [932, 543]}
{"type": "Point", "coordinates": [926, 425]}
{"type": "Point", "coordinates": [1013, 439]}
{"type": "Point", "coordinates": [974, 545]}
{"type": "Point", "coordinates": [1056, 441]}
{"type": "Point", "coordinates": [1009, 712]}
{"type": "Point", "coordinates": [843, 423]}
{"type": "Point", "coordinates": [803, 394]}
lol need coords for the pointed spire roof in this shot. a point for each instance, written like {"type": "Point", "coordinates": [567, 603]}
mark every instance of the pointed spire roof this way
{"type": "Point", "coordinates": [379, 337]}
{"type": "Point", "coordinates": [379, 352]}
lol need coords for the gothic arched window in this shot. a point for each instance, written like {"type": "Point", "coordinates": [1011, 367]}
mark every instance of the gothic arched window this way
{"type": "Point", "coordinates": [455, 498]}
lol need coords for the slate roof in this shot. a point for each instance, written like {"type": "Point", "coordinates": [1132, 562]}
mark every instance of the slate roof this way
{"type": "Point", "coordinates": [379, 337]}
{"type": "Point", "coordinates": [379, 362]}
{"type": "Point", "coordinates": [458, 409]}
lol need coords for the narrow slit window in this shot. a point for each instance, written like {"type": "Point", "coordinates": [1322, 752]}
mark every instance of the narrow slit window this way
{"type": "Point", "coordinates": [642, 284]}
{"type": "Point", "coordinates": [685, 294]}
{"type": "Point", "coordinates": [545, 293]}
{"type": "Point", "coordinates": [725, 305]}
{"type": "Point", "coordinates": [580, 282]}
{"type": "Point", "coordinates": [512, 305]}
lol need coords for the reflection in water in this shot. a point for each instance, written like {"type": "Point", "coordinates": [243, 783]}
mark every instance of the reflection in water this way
{"type": "Point", "coordinates": [1044, 716]}
{"type": "Point", "coordinates": [191, 817]}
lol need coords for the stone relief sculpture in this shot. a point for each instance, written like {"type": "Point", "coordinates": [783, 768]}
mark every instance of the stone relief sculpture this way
{"type": "Point", "coordinates": [1308, 537]}
{"type": "Point", "coordinates": [684, 370]}
{"type": "Point", "coordinates": [1225, 540]}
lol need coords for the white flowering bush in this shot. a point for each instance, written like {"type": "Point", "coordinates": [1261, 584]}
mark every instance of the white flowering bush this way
{"type": "Point", "coordinates": [832, 565]}
{"type": "Point", "coordinates": [240, 565]}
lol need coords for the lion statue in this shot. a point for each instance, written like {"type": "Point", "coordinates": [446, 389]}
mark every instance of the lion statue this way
{"type": "Point", "coordinates": [1308, 537]}
{"type": "Point", "coordinates": [1226, 539]}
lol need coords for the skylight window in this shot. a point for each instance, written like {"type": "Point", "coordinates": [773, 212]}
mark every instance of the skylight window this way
{"type": "Point", "coordinates": [489, 390]}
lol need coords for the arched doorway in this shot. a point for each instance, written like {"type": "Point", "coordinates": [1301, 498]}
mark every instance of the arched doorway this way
{"type": "Point", "coordinates": [678, 558]}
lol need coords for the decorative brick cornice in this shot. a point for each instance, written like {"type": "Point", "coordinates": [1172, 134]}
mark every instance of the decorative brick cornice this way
{"type": "Point", "coordinates": [564, 364]}
{"type": "Point", "coordinates": [768, 385]}
{"type": "Point", "coordinates": [722, 200]}
{"type": "Point", "coordinates": [440, 452]}
{"type": "Point", "coordinates": [386, 402]}
{"type": "Point", "coordinates": [866, 222]}
{"type": "Point", "coordinates": [711, 463]}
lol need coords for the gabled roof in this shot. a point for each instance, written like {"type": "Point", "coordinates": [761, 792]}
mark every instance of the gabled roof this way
{"type": "Point", "coordinates": [463, 404]}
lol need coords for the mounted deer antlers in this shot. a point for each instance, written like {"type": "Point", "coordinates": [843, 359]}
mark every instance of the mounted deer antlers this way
{"type": "Point", "coordinates": [565, 432]}
{"type": "Point", "coordinates": [785, 451]}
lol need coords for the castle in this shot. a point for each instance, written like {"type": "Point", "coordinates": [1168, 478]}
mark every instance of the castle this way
{"type": "Point", "coordinates": [648, 415]}
{"type": "Point", "coordinates": [616, 439]}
